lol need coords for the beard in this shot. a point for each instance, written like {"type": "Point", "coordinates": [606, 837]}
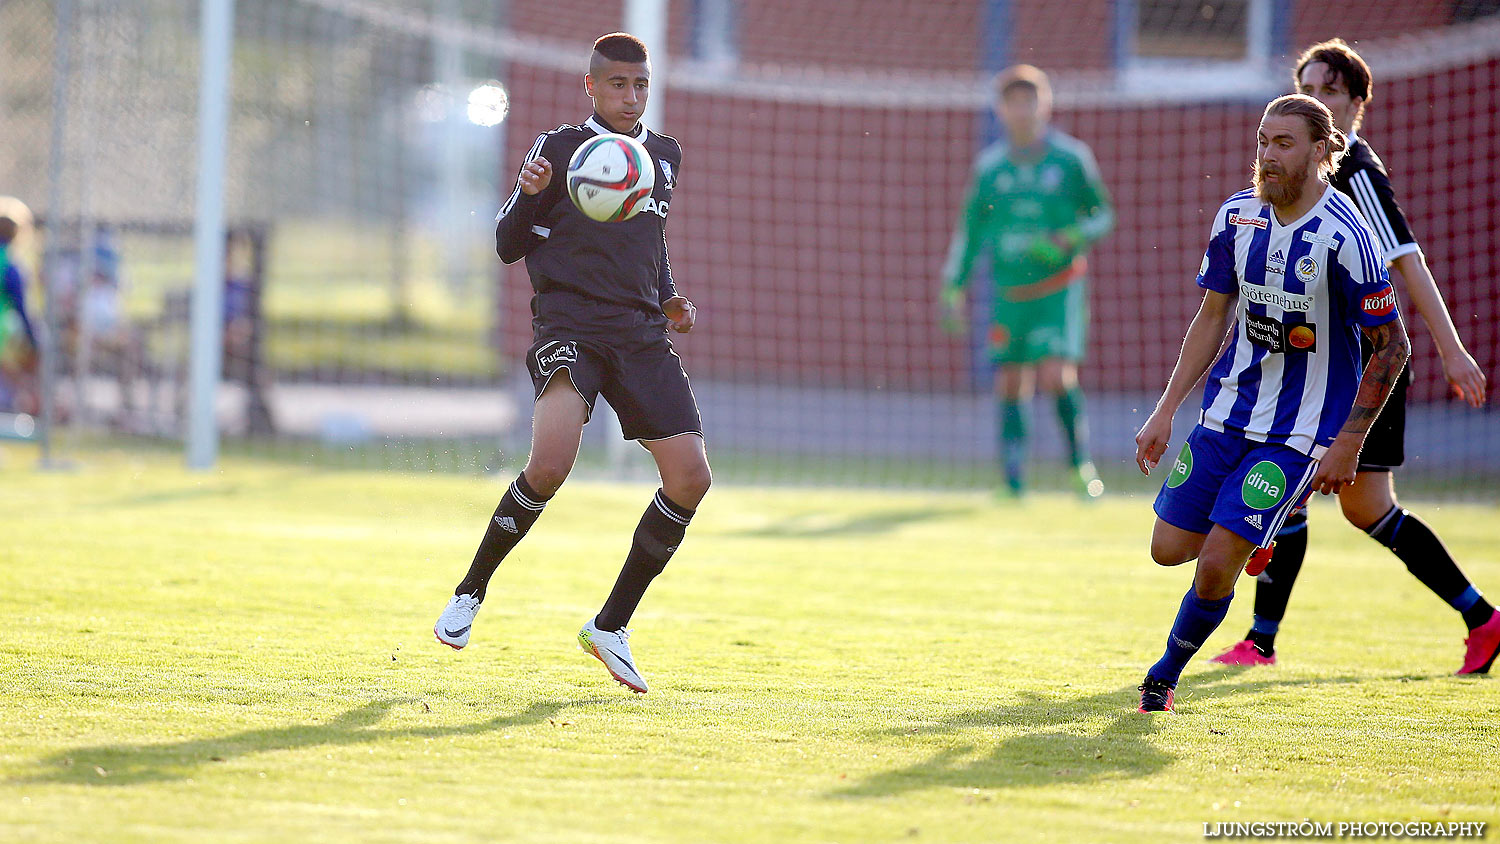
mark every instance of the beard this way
{"type": "Point", "coordinates": [1287, 188]}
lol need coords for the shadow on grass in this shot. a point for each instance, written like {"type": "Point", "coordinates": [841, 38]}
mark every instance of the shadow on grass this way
{"type": "Point", "coordinates": [812, 525]}
{"type": "Point", "coordinates": [1052, 747]}
{"type": "Point", "coordinates": [198, 490]}
{"type": "Point", "coordinates": [135, 764]}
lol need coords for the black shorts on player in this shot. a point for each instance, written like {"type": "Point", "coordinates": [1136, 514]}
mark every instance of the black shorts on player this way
{"type": "Point", "coordinates": [642, 379]}
{"type": "Point", "coordinates": [1385, 445]}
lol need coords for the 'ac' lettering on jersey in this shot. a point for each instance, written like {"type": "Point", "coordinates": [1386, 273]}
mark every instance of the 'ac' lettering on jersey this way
{"type": "Point", "coordinates": [1292, 366]}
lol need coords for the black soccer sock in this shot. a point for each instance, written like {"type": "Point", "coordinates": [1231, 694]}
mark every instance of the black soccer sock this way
{"type": "Point", "coordinates": [518, 511]}
{"type": "Point", "coordinates": [657, 536]}
{"type": "Point", "coordinates": [1410, 539]}
{"type": "Point", "coordinates": [1273, 589]}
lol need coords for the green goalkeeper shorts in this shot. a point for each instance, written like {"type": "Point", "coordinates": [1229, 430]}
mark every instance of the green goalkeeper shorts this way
{"type": "Point", "coordinates": [1030, 332]}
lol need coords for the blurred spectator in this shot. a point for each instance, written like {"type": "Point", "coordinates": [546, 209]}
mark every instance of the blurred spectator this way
{"type": "Point", "coordinates": [18, 342]}
{"type": "Point", "coordinates": [96, 333]}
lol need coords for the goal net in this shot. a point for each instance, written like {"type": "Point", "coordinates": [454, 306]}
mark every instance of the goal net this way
{"type": "Point", "coordinates": [827, 147]}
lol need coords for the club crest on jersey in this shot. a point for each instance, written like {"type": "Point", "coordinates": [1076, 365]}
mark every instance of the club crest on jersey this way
{"type": "Point", "coordinates": [1307, 268]}
{"type": "Point", "coordinates": [1256, 222]}
{"type": "Point", "coordinates": [666, 170]}
{"type": "Point", "coordinates": [1380, 304]}
{"type": "Point", "coordinates": [555, 354]}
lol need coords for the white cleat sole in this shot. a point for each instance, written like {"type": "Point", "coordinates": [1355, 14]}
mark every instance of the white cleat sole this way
{"type": "Point", "coordinates": [594, 652]}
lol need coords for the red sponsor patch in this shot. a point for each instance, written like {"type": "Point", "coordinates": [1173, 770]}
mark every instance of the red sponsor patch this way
{"type": "Point", "coordinates": [1380, 304]}
{"type": "Point", "coordinates": [1237, 220]}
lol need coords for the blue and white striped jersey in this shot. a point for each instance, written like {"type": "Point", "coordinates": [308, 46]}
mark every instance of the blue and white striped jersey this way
{"type": "Point", "coordinates": [1292, 367]}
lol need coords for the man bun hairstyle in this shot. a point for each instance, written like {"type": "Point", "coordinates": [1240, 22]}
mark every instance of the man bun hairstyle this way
{"type": "Point", "coordinates": [621, 47]}
{"type": "Point", "coordinates": [1320, 126]}
{"type": "Point", "coordinates": [1343, 63]}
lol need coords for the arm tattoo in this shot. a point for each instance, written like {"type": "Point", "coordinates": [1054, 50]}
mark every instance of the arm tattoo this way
{"type": "Point", "coordinates": [1391, 350]}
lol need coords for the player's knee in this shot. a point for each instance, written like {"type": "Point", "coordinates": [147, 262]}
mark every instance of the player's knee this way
{"type": "Point", "coordinates": [547, 476]}
{"type": "Point", "coordinates": [690, 483]}
{"type": "Point", "coordinates": [1052, 382]}
{"type": "Point", "coordinates": [1362, 513]}
{"type": "Point", "coordinates": [1166, 553]}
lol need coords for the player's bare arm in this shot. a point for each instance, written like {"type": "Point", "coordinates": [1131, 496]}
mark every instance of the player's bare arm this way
{"type": "Point", "coordinates": [1199, 348]}
{"type": "Point", "coordinates": [536, 176]}
{"type": "Point", "coordinates": [1391, 349]}
{"type": "Point", "coordinates": [1459, 367]}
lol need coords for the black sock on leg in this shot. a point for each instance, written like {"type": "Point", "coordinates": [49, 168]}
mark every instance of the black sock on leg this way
{"type": "Point", "coordinates": [518, 511]}
{"type": "Point", "coordinates": [660, 531]}
{"type": "Point", "coordinates": [1273, 589]}
{"type": "Point", "coordinates": [1411, 540]}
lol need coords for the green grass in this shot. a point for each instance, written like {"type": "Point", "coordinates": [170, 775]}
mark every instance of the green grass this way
{"type": "Point", "coordinates": [246, 655]}
{"type": "Point", "coordinates": [330, 304]}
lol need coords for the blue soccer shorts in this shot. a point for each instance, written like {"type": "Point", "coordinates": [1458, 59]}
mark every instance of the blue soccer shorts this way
{"type": "Point", "coordinates": [1244, 486]}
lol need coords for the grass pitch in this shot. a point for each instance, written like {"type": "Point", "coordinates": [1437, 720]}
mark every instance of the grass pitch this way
{"type": "Point", "coordinates": [247, 655]}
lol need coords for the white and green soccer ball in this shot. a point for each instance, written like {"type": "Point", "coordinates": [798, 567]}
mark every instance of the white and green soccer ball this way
{"type": "Point", "coordinates": [609, 177]}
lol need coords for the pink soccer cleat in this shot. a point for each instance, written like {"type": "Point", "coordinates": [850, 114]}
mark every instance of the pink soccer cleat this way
{"type": "Point", "coordinates": [1244, 653]}
{"type": "Point", "coordinates": [1483, 645]}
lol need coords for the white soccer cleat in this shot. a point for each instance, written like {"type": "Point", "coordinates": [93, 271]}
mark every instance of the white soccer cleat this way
{"type": "Point", "coordinates": [612, 647]}
{"type": "Point", "coordinates": [452, 628]}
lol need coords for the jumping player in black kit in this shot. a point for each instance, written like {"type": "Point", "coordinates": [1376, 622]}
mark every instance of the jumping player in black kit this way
{"type": "Point", "coordinates": [1334, 74]}
{"type": "Point", "coordinates": [604, 301]}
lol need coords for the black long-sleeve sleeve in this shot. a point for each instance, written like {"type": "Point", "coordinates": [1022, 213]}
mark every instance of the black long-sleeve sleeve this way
{"type": "Point", "coordinates": [516, 226]}
{"type": "Point", "coordinates": [666, 288]}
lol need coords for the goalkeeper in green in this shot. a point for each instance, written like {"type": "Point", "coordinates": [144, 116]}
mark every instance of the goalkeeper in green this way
{"type": "Point", "coordinates": [1035, 205]}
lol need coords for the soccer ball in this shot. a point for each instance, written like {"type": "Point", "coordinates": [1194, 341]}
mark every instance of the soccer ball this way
{"type": "Point", "coordinates": [609, 176]}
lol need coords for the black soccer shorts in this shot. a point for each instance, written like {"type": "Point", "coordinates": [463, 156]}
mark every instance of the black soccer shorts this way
{"type": "Point", "coordinates": [1385, 445]}
{"type": "Point", "coordinates": [642, 379]}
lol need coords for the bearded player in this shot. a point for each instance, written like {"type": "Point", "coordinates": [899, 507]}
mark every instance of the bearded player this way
{"type": "Point", "coordinates": [1286, 408]}
{"type": "Point", "coordinates": [1334, 74]}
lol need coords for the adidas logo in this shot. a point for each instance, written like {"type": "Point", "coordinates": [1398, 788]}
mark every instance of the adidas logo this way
{"type": "Point", "coordinates": [1254, 520]}
{"type": "Point", "coordinates": [1183, 643]}
{"type": "Point", "coordinates": [508, 524]}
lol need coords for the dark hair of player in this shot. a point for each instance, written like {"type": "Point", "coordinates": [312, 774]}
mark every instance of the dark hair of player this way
{"type": "Point", "coordinates": [1319, 126]}
{"type": "Point", "coordinates": [621, 47]}
{"type": "Point", "coordinates": [1023, 77]}
{"type": "Point", "coordinates": [1342, 62]}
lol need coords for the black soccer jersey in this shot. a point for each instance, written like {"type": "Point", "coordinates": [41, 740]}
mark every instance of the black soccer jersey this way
{"type": "Point", "coordinates": [1362, 177]}
{"type": "Point", "coordinates": [589, 277]}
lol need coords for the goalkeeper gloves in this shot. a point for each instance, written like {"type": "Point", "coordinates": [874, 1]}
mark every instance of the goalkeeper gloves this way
{"type": "Point", "coordinates": [1054, 248]}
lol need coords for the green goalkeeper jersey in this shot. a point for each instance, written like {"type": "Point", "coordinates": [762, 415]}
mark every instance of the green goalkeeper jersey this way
{"type": "Point", "coordinates": [1033, 212]}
